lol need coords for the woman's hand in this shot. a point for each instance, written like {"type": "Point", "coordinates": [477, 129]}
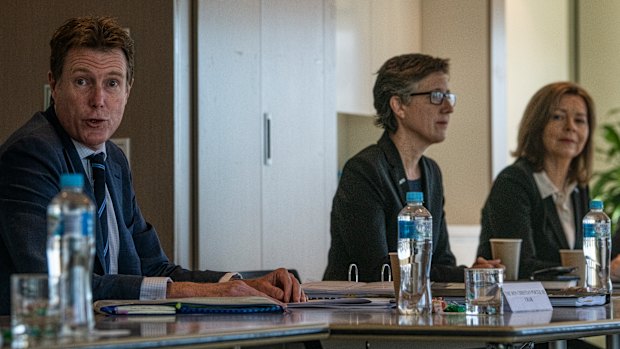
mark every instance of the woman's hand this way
{"type": "Point", "coordinates": [614, 268]}
{"type": "Point", "coordinates": [488, 263]}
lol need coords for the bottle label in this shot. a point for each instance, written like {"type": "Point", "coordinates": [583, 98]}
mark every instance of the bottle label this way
{"type": "Point", "coordinates": [407, 230]}
{"type": "Point", "coordinates": [592, 230]}
{"type": "Point", "coordinates": [417, 229]}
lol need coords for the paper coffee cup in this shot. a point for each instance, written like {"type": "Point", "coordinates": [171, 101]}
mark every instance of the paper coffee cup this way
{"type": "Point", "coordinates": [575, 258]}
{"type": "Point", "coordinates": [509, 252]}
{"type": "Point", "coordinates": [395, 265]}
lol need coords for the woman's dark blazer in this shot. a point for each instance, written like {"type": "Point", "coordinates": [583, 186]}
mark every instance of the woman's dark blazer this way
{"type": "Point", "coordinates": [515, 209]}
{"type": "Point", "coordinates": [371, 192]}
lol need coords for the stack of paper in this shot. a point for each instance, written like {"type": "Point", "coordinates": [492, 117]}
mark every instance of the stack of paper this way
{"type": "Point", "coordinates": [559, 284]}
{"type": "Point", "coordinates": [340, 289]}
{"type": "Point", "coordinates": [577, 301]}
{"type": "Point", "coordinates": [576, 297]}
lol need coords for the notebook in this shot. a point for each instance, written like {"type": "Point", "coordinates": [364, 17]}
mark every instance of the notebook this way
{"type": "Point", "coordinates": [193, 305]}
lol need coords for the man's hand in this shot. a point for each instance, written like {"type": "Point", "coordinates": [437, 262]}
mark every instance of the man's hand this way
{"type": "Point", "coordinates": [235, 288]}
{"type": "Point", "coordinates": [279, 284]}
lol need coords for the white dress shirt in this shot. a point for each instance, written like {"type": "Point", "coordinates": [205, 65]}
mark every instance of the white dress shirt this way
{"type": "Point", "coordinates": [563, 203]}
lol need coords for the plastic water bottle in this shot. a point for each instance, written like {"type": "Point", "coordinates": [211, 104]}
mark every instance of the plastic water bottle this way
{"type": "Point", "coordinates": [415, 249]}
{"type": "Point", "coordinates": [70, 255]}
{"type": "Point", "coordinates": [597, 248]}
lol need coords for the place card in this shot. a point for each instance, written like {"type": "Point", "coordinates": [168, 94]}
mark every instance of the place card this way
{"type": "Point", "coordinates": [526, 296]}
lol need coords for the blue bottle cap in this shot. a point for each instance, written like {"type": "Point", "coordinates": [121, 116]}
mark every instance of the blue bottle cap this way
{"type": "Point", "coordinates": [596, 204]}
{"type": "Point", "coordinates": [415, 196]}
{"type": "Point", "coordinates": [71, 180]}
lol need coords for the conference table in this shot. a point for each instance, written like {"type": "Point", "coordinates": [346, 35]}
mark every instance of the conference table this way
{"type": "Point", "coordinates": [345, 327]}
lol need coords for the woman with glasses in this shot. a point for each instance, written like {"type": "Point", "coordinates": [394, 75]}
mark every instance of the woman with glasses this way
{"type": "Point", "coordinates": [542, 197]}
{"type": "Point", "coordinates": [413, 104]}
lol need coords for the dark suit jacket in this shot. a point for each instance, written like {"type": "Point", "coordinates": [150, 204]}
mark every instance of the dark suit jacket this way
{"type": "Point", "coordinates": [364, 228]}
{"type": "Point", "coordinates": [514, 209]}
{"type": "Point", "coordinates": [31, 162]}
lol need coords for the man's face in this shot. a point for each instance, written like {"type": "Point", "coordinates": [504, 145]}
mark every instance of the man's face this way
{"type": "Point", "coordinates": [91, 94]}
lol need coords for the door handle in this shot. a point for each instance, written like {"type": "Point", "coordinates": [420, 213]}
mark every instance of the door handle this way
{"type": "Point", "coordinates": [267, 138]}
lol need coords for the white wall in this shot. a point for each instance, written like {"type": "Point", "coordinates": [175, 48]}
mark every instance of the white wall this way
{"type": "Point", "coordinates": [368, 32]}
{"type": "Point", "coordinates": [464, 243]}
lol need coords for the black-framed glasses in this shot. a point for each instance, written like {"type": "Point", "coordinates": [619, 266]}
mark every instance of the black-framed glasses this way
{"type": "Point", "coordinates": [437, 97]}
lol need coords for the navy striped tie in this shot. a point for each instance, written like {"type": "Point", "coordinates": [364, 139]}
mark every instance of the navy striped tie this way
{"type": "Point", "coordinates": [97, 163]}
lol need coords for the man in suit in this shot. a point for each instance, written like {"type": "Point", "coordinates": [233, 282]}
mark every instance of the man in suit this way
{"type": "Point", "coordinates": [91, 74]}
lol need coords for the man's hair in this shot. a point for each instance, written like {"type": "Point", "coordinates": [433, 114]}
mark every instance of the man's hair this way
{"type": "Point", "coordinates": [539, 110]}
{"type": "Point", "coordinates": [99, 33]}
{"type": "Point", "coordinates": [399, 77]}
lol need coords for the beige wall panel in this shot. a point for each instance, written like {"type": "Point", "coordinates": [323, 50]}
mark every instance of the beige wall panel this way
{"type": "Point", "coordinates": [459, 30]}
